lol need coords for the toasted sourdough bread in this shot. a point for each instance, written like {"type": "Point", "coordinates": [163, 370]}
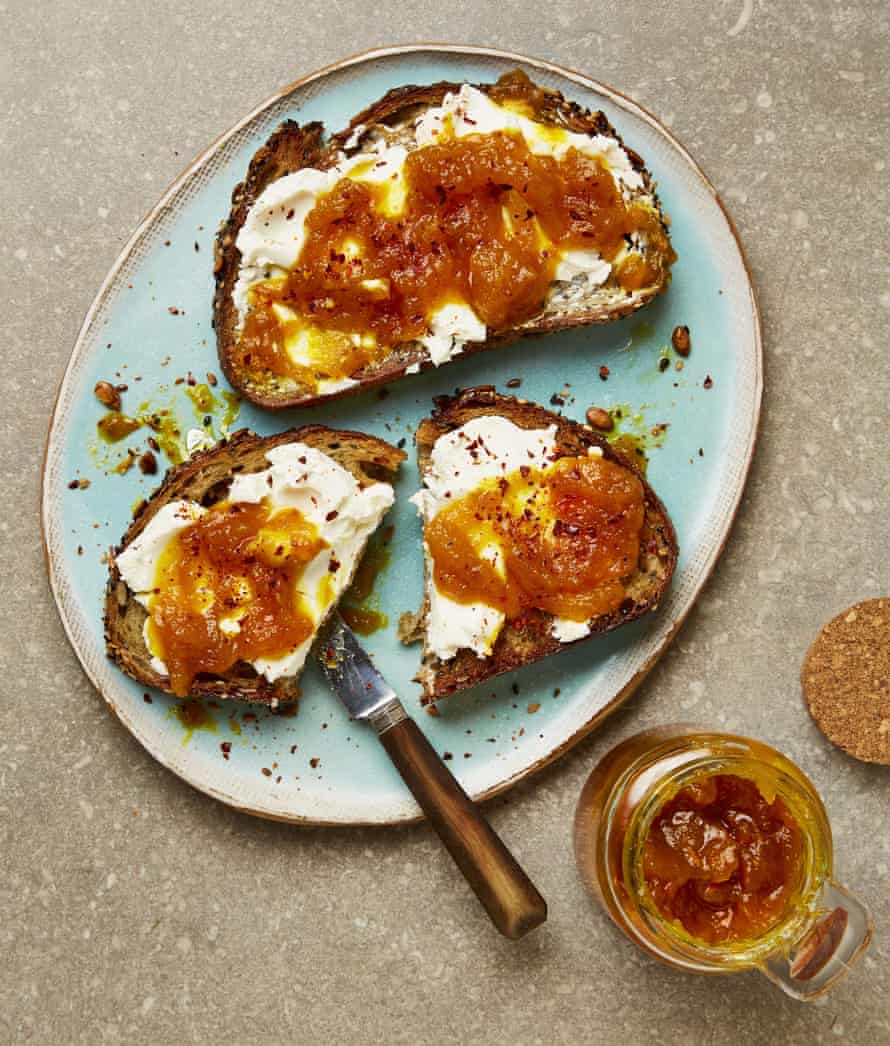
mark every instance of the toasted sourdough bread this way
{"type": "Point", "coordinates": [529, 638]}
{"type": "Point", "coordinates": [390, 120]}
{"type": "Point", "coordinates": [205, 478]}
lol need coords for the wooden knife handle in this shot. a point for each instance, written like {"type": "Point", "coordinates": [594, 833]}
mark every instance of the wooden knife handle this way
{"type": "Point", "coordinates": [506, 892]}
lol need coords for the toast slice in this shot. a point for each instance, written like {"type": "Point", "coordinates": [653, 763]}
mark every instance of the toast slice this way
{"type": "Point", "coordinates": [571, 301]}
{"type": "Point", "coordinates": [530, 637]}
{"type": "Point", "coordinates": [205, 478]}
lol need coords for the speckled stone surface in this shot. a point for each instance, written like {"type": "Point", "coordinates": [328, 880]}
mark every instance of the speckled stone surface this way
{"type": "Point", "coordinates": [133, 909]}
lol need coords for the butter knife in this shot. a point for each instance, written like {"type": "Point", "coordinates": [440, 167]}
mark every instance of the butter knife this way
{"type": "Point", "coordinates": [507, 894]}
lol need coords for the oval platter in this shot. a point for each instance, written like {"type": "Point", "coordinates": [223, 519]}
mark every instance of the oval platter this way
{"type": "Point", "coordinates": [150, 325]}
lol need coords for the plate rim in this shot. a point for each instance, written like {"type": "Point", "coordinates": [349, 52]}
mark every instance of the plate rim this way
{"type": "Point", "coordinates": [360, 58]}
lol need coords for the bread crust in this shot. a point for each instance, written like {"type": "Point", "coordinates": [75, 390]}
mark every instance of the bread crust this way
{"type": "Point", "coordinates": [204, 478]}
{"type": "Point", "coordinates": [293, 146]}
{"type": "Point", "coordinates": [529, 639]}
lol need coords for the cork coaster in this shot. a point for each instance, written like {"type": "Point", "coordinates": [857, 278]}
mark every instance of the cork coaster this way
{"type": "Point", "coordinates": [846, 680]}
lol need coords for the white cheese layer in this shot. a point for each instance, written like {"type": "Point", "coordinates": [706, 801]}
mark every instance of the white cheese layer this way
{"type": "Point", "coordinates": [299, 477]}
{"type": "Point", "coordinates": [273, 233]}
{"type": "Point", "coordinates": [486, 447]}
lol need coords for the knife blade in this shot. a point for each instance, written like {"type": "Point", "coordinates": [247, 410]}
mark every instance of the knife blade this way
{"type": "Point", "coordinates": [513, 903]}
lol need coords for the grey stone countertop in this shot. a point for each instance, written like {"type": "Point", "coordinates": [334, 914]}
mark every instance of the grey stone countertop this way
{"type": "Point", "coordinates": [136, 910]}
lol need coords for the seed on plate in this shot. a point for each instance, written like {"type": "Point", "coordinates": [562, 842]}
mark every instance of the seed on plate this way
{"type": "Point", "coordinates": [148, 464]}
{"type": "Point", "coordinates": [600, 419]}
{"type": "Point", "coordinates": [680, 340]}
{"type": "Point", "coordinates": [107, 395]}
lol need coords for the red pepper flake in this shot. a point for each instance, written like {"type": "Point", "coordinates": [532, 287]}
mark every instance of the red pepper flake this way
{"type": "Point", "coordinates": [556, 692]}
{"type": "Point", "coordinates": [146, 698]}
{"type": "Point", "coordinates": [514, 383]}
{"type": "Point", "coordinates": [708, 382]}
{"type": "Point", "coordinates": [80, 550]}
{"type": "Point", "coordinates": [314, 761]}
{"type": "Point", "coordinates": [191, 380]}
{"type": "Point", "coordinates": [267, 772]}
{"type": "Point", "coordinates": [153, 443]}
{"type": "Point", "coordinates": [604, 373]}
{"type": "Point", "coordinates": [172, 310]}
{"type": "Point", "coordinates": [332, 515]}
{"type": "Point", "coordinates": [433, 711]}
{"type": "Point", "coordinates": [293, 749]}
{"type": "Point", "coordinates": [447, 755]}
{"type": "Point", "coordinates": [534, 707]}
{"type": "Point", "coordinates": [226, 747]}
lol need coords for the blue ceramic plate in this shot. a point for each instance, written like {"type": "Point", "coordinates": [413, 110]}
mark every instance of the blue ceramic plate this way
{"type": "Point", "coordinates": [151, 324]}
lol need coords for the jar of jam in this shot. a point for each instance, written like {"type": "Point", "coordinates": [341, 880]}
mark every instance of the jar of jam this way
{"type": "Point", "coordinates": [713, 853]}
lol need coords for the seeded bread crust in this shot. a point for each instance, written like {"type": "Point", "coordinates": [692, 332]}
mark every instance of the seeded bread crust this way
{"type": "Point", "coordinates": [205, 478]}
{"type": "Point", "coordinates": [391, 119]}
{"type": "Point", "coordinates": [529, 639]}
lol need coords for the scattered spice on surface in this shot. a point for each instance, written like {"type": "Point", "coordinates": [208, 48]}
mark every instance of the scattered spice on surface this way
{"type": "Point", "coordinates": [146, 698]}
{"type": "Point", "coordinates": [433, 711]}
{"type": "Point", "coordinates": [663, 364]}
{"type": "Point", "coordinates": [226, 747]}
{"type": "Point", "coordinates": [708, 382]}
{"type": "Point", "coordinates": [604, 373]}
{"type": "Point", "coordinates": [514, 383]}
{"type": "Point", "coordinates": [267, 772]}
{"type": "Point", "coordinates": [556, 400]}
{"type": "Point", "coordinates": [172, 310]}
{"type": "Point", "coordinates": [314, 761]}
{"type": "Point", "coordinates": [211, 378]}
{"type": "Point", "coordinates": [447, 755]}
{"type": "Point", "coordinates": [533, 707]}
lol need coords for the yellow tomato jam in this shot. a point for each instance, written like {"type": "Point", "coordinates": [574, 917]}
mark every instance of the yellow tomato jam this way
{"type": "Point", "coordinates": [723, 860]}
{"type": "Point", "coordinates": [567, 536]}
{"type": "Point", "coordinates": [482, 221]}
{"type": "Point", "coordinates": [227, 589]}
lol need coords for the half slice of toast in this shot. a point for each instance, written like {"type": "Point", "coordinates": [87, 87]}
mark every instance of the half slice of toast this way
{"type": "Point", "coordinates": [571, 301]}
{"type": "Point", "coordinates": [530, 636]}
{"type": "Point", "coordinates": [205, 478]}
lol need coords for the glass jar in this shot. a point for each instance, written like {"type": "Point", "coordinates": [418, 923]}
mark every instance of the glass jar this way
{"type": "Point", "coordinates": [823, 929]}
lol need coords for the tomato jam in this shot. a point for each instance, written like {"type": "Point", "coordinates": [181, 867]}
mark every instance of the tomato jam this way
{"type": "Point", "coordinates": [226, 590]}
{"type": "Point", "coordinates": [723, 860]}
{"type": "Point", "coordinates": [567, 535]}
{"type": "Point", "coordinates": [481, 220]}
